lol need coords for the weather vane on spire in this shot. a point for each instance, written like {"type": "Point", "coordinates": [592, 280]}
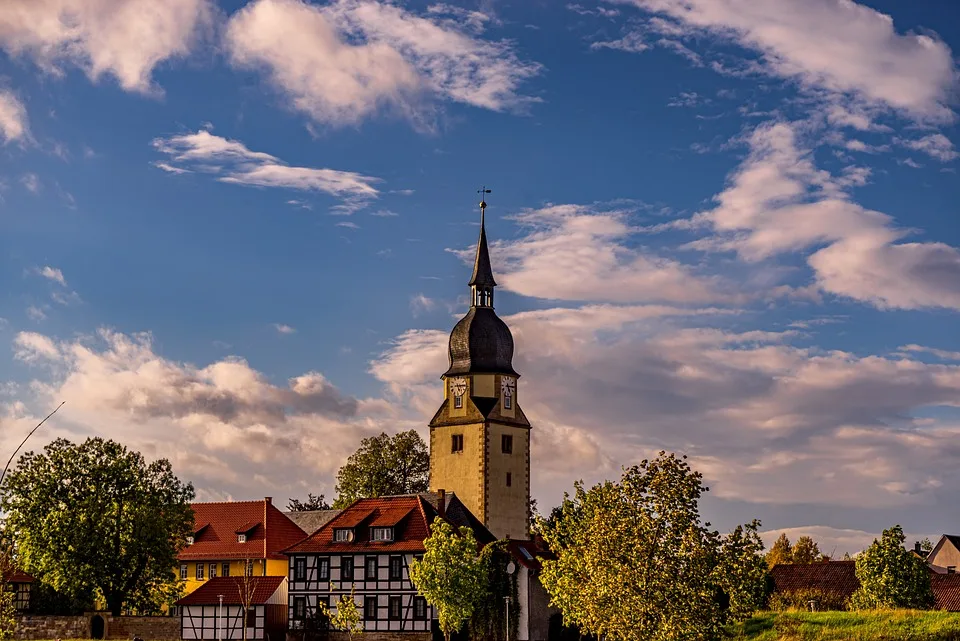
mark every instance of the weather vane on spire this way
{"type": "Point", "coordinates": [483, 191]}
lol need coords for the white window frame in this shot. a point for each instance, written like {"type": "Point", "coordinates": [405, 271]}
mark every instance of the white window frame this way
{"type": "Point", "coordinates": [199, 571]}
{"type": "Point", "coordinates": [184, 571]}
{"type": "Point", "coordinates": [343, 535]}
{"type": "Point", "coordinates": [241, 538]}
{"type": "Point", "coordinates": [381, 534]}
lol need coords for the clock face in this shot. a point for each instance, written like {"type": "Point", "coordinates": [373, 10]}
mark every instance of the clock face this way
{"type": "Point", "coordinates": [458, 386]}
{"type": "Point", "coordinates": [507, 386]}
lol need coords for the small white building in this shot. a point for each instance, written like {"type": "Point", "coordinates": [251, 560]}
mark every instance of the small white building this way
{"type": "Point", "coordinates": [215, 610]}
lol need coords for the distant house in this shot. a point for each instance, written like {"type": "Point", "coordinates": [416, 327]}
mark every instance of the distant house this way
{"type": "Point", "coordinates": [19, 582]}
{"type": "Point", "coordinates": [944, 558]}
{"type": "Point", "coordinates": [833, 577]}
{"type": "Point", "coordinates": [311, 520]}
{"type": "Point", "coordinates": [236, 538]}
{"type": "Point", "coordinates": [368, 548]}
{"type": "Point", "coordinates": [215, 610]}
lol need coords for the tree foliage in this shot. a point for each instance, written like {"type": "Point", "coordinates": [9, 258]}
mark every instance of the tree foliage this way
{"type": "Point", "coordinates": [452, 575]}
{"type": "Point", "coordinates": [634, 561]}
{"type": "Point", "coordinates": [384, 465]}
{"type": "Point", "coordinates": [313, 502]}
{"type": "Point", "coordinates": [806, 550]}
{"type": "Point", "coordinates": [96, 519]}
{"type": "Point", "coordinates": [890, 576]}
{"type": "Point", "coordinates": [780, 552]}
{"type": "Point", "coordinates": [488, 622]}
{"type": "Point", "coordinates": [8, 608]}
{"type": "Point", "coordinates": [347, 618]}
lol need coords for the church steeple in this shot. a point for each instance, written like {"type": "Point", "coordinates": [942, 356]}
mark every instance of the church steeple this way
{"type": "Point", "coordinates": [482, 282]}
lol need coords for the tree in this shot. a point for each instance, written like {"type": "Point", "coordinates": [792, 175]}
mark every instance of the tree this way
{"type": "Point", "coordinates": [451, 576]}
{"type": "Point", "coordinates": [313, 502]}
{"type": "Point", "coordinates": [384, 465]}
{"type": "Point", "coordinates": [780, 553]}
{"type": "Point", "coordinates": [633, 560]}
{"type": "Point", "coordinates": [246, 589]}
{"type": "Point", "coordinates": [8, 606]}
{"type": "Point", "coordinates": [890, 576]}
{"type": "Point", "coordinates": [926, 545]}
{"type": "Point", "coordinates": [95, 518]}
{"type": "Point", "coordinates": [488, 622]}
{"type": "Point", "coordinates": [806, 550]}
{"type": "Point", "coordinates": [347, 618]}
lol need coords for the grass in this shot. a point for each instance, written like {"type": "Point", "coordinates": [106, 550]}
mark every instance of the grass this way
{"type": "Point", "coordinates": [896, 625]}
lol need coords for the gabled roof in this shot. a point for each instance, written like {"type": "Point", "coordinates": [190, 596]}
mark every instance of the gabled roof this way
{"type": "Point", "coordinates": [838, 577]}
{"type": "Point", "coordinates": [946, 591]}
{"type": "Point", "coordinates": [17, 575]}
{"type": "Point", "coordinates": [268, 531]}
{"type": "Point", "coordinates": [411, 515]}
{"type": "Point", "coordinates": [311, 520]}
{"type": "Point", "coordinates": [232, 589]}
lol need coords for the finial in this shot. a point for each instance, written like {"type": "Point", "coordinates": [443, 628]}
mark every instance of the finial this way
{"type": "Point", "coordinates": [483, 191]}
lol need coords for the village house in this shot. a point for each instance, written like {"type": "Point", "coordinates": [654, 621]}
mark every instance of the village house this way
{"type": "Point", "coordinates": [19, 582]}
{"type": "Point", "coordinates": [234, 539]}
{"type": "Point", "coordinates": [223, 606]}
{"type": "Point", "coordinates": [944, 558]}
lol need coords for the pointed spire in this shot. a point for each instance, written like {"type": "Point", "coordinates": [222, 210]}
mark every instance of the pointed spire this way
{"type": "Point", "coordinates": [482, 271]}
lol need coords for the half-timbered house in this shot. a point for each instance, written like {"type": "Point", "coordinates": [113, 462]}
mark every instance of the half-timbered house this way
{"type": "Point", "coordinates": [223, 606]}
{"type": "Point", "coordinates": [367, 550]}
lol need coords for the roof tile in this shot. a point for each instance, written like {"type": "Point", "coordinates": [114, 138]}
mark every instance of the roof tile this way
{"type": "Point", "coordinates": [232, 588]}
{"type": "Point", "coordinates": [271, 531]}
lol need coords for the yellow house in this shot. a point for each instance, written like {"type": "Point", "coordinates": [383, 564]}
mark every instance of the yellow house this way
{"type": "Point", "coordinates": [235, 538]}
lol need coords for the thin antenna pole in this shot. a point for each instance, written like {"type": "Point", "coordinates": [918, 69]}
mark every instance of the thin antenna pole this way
{"type": "Point", "coordinates": [10, 460]}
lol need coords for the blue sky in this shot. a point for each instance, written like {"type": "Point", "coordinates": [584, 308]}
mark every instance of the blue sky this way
{"type": "Point", "coordinates": [233, 235]}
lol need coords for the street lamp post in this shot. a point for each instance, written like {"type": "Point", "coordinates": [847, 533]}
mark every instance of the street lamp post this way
{"type": "Point", "coordinates": [219, 616]}
{"type": "Point", "coordinates": [511, 568]}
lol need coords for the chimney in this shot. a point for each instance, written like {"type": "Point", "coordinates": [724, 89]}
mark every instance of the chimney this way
{"type": "Point", "coordinates": [269, 499]}
{"type": "Point", "coordinates": [442, 504]}
{"type": "Point", "coordinates": [916, 547]}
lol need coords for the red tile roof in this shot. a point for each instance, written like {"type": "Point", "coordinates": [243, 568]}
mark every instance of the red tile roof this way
{"type": "Point", "coordinates": [268, 531]}
{"type": "Point", "coordinates": [946, 591]}
{"type": "Point", "coordinates": [838, 577]}
{"type": "Point", "coordinates": [231, 587]}
{"type": "Point", "coordinates": [411, 514]}
{"type": "Point", "coordinates": [18, 576]}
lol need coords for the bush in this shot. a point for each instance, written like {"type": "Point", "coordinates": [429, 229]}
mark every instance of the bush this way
{"type": "Point", "coordinates": [800, 600]}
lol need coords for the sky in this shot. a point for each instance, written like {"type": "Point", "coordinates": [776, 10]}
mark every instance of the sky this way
{"type": "Point", "coordinates": [237, 235]}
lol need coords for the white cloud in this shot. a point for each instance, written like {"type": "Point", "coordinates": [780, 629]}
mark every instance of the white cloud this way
{"type": "Point", "coordinates": [942, 354]}
{"type": "Point", "coordinates": [13, 117]}
{"type": "Point", "coordinates": [348, 224]}
{"type": "Point", "coordinates": [384, 213]}
{"type": "Point", "coordinates": [232, 162]}
{"type": "Point", "coordinates": [421, 303]}
{"type": "Point", "coordinates": [577, 252]}
{"type": "Point", "coordinates": [839, 46]}
{"type": "Point", "coordinates": [835, 541]}
{"type": "Point", "coordinates": [36, 313]}
{"type": "Point", "coordinates": [52, 273]}
{"type": "Point", "coordinates": [342, 62]}
{"type": "Point", "coordinates": [778, 201]}
{"type": "Point", "coordinates": [934, 145]}
{"type": "Point", "coordinates": [31, 182]}
{"type": "Point", "coordinates": [127, 39]}
{"type": "Point", "coordinates": [284, 329]}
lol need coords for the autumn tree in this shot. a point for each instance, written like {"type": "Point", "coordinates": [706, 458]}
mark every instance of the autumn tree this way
{"type": "Point", "coordinates": [95, 518]}
{"type": "Point", "coordinates": [384, 465]}
{"type": "Point", "coordinates": [347, 617]}
{"type": "Point", "coordinates": [313, 502]}
{"type": "Point", "coordinates": [890, 576]}
{"type": "Point", "coordinates": [452, 575]}
{"type": "Point", "coordinates": [634, 561]}
{"type": "Point", "coordinates": [806, 550]}
{"type": "Point", "coordinates": [780, 552]}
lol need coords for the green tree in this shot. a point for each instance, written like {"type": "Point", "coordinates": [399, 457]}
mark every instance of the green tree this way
{"type": "Point", "coordinates": [8, 607]}
{"type": "Point", "coordinates": [634, 561]}
{"type": "Point", "coordinates": [780, 552]}
{"type": "Point", "coordinates": [384, 465]}
{"type": "Point", "coordinates": [926, 545]}
{"type": "Point", "coordinates": [806, 550]}
{"type": "Point", "coordinates": [890, 576]}
{"type": "Point", "coordinates": [451, 576]}
{"type": "Point", "coordinates": [313, 502]}
{"type": "Point", "coordinates": [488, 622]}
{"type": "Point", "coordinates": [96, 519]}
{"type": "Point", "coordinates": [347, 619]}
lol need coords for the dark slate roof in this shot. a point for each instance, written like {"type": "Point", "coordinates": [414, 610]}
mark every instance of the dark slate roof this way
{"type": "Point", "coordinates": [231, 587]}
{"type": "Point", "coordinates": [482, 271]}
{"type": "Point", "coordinates": [481, 343]}
{"type": "Point", "coordinates": [477, 410]}
{"type": "Point", "coordinates": [838, 577]}
{"type": "Point", "coordinates": [953, 538]}
{"type": "Point", "coordinates": [311, 520]}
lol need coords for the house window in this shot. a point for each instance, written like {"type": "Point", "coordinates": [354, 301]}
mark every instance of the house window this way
{"type": "Point", "coordinates": [241, 538]}
{"type": "Point", "coordinates": [509, 479]}
{"type": "Point", "coordinates": [189, 540]}
{"type": "Point", "coordinates": [299, 608]}
{"type": "Point", "coordinates": [183, 572]}
{"type": "Point", "coordinates": [299, 569]}
{"type": "Point", "coordinates": [419, 608]}
{"type": "Point", "coordinates": [248, 571]}
{"type": "Point", "coordinates": [456, 443]}
{"type": "Point", "coordinates": [458, 402]}
{"type": "Point", "coordinates": [324, 569]}
{"type": "Point", "coordinates": [381, 534]}
{"type": "Point", "coordinates": [251, 617]}
{"type": "Point", "coordinates": [395, 613]}
{"type": "Point", "coordinates": [951, 569]}
{"type": "Point", "coordinates": [225, 569]}
{"type": "Point", "coordinates": [506, 444]}
{"type": "Point", "coordinates": [343, 535]}
{"type": "Point", "coordinates": [346, 568]}
{"type": "Point", "coordinates": [199, 571]}
{"type": "Point", "coordinates": [213, 570]}
{"type": "Point", "coordinates": [371, 569]}
{"type": "Point", "coordinates": [507, 402]}
{"type": "Point", "coordinates": [370, 608]}
{"type": "Point", "coordinates": [396, 568]}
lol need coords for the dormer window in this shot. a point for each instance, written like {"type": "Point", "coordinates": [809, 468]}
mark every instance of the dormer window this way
{"type": "Point", "coordinates": [241, 538]}
{"type": "Point", "coordinates": [343, 535]}
{"type": "Point", "coordinates": [381, 534]}
{"type": "Point", "coordinates": [189, 540]}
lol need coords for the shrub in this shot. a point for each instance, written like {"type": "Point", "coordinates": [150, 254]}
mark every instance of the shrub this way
{"type": "Point", "coordinates": [800, 600]}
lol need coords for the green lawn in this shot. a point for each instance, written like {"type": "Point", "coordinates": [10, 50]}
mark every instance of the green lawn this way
{"type": "Point", "coordinates": [898, 625]}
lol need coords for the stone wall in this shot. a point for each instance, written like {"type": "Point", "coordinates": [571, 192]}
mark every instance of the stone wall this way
{"type": "Point", "coordinates": [384, 636]}
{"type": "Point", "coordinates": [147, 628]}
{"type": "Point", "coordinates": [52, 627]}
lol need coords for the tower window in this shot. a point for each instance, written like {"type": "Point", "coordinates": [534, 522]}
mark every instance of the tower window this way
{"type": "Point", "coordinates": [509, 479]}
{"type": "Point", "coordinates": [458, 402]}
{"type": "Point", "coordinates": [456, 443]}
{"type": "Point", "coordinates": [506, 443]}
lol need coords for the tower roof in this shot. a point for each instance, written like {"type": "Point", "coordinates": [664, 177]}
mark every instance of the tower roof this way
{"type": "Point", "coordinates": [482, 271]}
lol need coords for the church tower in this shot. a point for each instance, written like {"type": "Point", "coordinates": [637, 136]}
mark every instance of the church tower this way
{"type": "Point", "coordinates": [480, 438]}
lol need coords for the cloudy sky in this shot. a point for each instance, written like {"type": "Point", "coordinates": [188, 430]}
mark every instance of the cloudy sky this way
{"type": "Point", "coordinates": [234, 234]}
